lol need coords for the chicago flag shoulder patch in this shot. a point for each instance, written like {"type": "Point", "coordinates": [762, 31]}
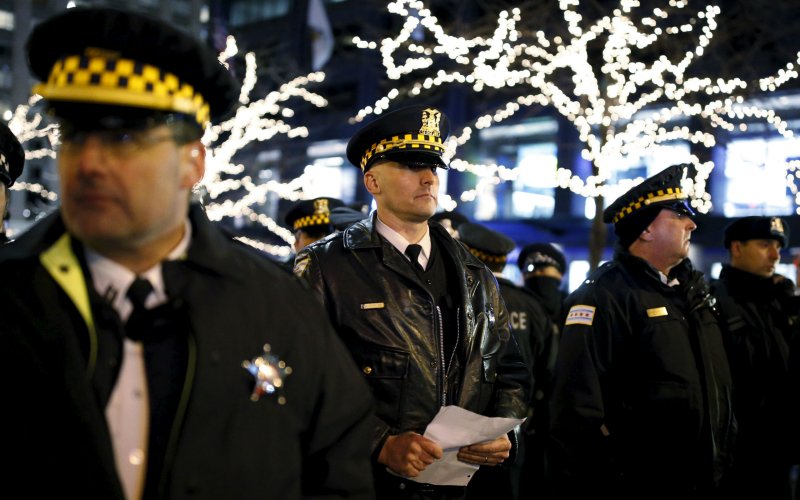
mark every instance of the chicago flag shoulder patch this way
{"type": "Point", "coordinates": [580, 315]}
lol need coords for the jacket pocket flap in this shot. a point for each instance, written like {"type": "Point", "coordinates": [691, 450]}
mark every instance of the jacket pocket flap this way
{"type": "Point", "coordinates": [382, 363]}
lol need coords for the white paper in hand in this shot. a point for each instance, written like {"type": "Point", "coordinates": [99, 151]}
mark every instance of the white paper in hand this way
{"type": "Point", "coordinates": [453, 428]}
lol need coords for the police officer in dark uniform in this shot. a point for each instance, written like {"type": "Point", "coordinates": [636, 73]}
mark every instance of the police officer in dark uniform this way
{"type": "Point", "coordinates": [423, 318]}
{"type": "Point", "coordinates": [537, 337]}
{"type": "Point", "coordinates": [641, 404]}
{"type": "Point", "coordinates": [763, 318]}
{"type": "Point", "coordinates": [144, 354]}
{"type": "Point", "coordinates": [543, 267]}
{"type": "Point", "coordinates": [12, 159]}
{"type": "Point", "coordinates": [311, 221]}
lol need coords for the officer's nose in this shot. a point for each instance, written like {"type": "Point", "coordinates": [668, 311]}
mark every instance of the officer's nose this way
{"type": "Point", "coordinates": [429, 175]}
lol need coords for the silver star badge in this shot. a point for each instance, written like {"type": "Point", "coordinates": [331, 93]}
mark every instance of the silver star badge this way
{"type": "Point", "coordinates": [269, 372]}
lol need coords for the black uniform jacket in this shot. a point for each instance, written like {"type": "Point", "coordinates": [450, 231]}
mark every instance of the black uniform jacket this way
{"type": "Point", "coordinates": [536, 335]}
{"type": "Point", "coordinates": [641, 405]}
{"type": "Point", "coordinates": [313, 443]}
{"type": "Point", "coordinates": [385, 315]}
{"type": "Point", "coordinates": [762, 325]}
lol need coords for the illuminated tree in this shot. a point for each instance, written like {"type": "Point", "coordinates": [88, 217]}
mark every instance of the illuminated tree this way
{"type": "Point", "coordinates": [621, 75]}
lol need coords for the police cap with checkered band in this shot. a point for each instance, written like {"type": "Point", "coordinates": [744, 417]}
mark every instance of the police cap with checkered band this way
{"type": "Point", "coordinates": [412, 135]}
{"type": "Point", "coordinates": [632, 212]}
{"type": "Point", "coordinates": [312, 214]}
{"type": "Point", "coordinates": [112, 68]}
{"type": "Point", "coordinates": [490, 246]}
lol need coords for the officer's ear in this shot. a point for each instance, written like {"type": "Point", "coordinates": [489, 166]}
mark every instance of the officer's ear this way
{"type": "Point", "coordinates": [193, 163]}
{"type": "Point", "coordinates": [736, 249]}
{"type": "Point", "coordinates": [372, 181]}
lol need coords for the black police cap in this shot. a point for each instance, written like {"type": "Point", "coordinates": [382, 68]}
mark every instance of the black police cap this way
{"type": "Point", "coordinates": [312, 214]}
{"type": "Point", "coordinates": [541, 255]}
{"type": "Point", "coordinates": [12, 156]}
{"type": "Point", "coordinates": [342, 217]}
{"type": "Point", "coordinates": [486, 244]}
{"type": "Point", "coordinates": [661, 190]}
{"type": "Point", "coordinates": [105, 57]}
{"type": "Point", "coordinates": [414, 134]}
{"type": "Point", "coordinates": [757, 228]}
{"type": "Point", "coordinates": [455, 218]}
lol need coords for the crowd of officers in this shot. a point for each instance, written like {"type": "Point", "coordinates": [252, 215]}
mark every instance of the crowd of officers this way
{"type": "Point", "coordinates": [146, 354]}
{"type": "Point", "coordinates": [651, 393]}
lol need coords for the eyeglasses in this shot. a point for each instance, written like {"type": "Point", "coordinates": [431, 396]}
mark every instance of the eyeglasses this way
{"type": "Point", "coordinates": [120, 143]}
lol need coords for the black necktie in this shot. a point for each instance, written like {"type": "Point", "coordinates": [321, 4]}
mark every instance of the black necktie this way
{"type": "Point", "coordinates": [413, 252]}
{"type": "Point", "coordinates": [136, 327]}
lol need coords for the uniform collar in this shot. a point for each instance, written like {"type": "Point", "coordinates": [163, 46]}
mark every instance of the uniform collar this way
{"type": "Point", "coordinates": [400, 243]}
{"type": "Point", "coordinates": [111, 279]}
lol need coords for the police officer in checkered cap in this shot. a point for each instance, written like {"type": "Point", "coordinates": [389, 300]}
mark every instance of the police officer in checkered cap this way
{"type": "Point", "coordinates": [311, 219]}
{"type": "Point", "coordinates": [145, 354]}
{"type": "Point", "coordinates": [641, 404]}
{"type": "Point", "coordinates": [12, 159]}
{"type": "Point", "coordinates": [414, 306]}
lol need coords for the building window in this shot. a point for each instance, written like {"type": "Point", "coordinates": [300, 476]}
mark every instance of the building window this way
{"type": "Point", "coordinates": [535, 186]}
{"type": "Point", "coordinates": [330, 177]}
{"type": "Point", "coordinates": [530, 147]}
{"type": "Point", "coordinates": [250, 11]}
{"type": "Point", "coordinates": [6, 20]}
{"type": "Point", "coordinates": [755, 174]}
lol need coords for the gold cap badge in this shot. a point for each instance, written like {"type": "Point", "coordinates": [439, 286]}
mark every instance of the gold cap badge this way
{"type": "Point", "coordinates": [430, 122]}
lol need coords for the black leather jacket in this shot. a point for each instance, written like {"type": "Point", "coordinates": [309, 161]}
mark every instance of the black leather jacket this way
{"type": "Point", "coordinates": [385, 315]}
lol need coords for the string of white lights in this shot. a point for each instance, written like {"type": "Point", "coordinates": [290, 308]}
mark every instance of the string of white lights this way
{"type": "Point", "coordinates": [620, 110]}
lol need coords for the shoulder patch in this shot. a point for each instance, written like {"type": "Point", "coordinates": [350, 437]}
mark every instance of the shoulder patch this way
{"type": "Point", "coordinates": [301, 263]}
{"type": "Point", "coordinates": [580, 315]}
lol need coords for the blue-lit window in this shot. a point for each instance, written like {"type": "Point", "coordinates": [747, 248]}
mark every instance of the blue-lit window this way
{"type": "Point", "coordinates": [526, 152]}
{"type": "Point", "coordinates": [250, 11]}
{"type": "Point", "coordinates": [578, 271]}
{"type": "Point", "coordinates": [330, 177]}
{"type": "Point", "coordinates": [755, 171]}
{"type": "Point", "coordinates": [6, 20]}
{"type": "Point", "coordinates": [535, 185]}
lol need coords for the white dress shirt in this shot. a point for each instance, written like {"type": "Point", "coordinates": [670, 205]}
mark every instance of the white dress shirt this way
{"type": "Point", "coordinates": [128, 409]}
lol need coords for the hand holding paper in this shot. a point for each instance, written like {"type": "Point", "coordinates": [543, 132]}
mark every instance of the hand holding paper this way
{"type": "Point", "coordinates": [453, 428]}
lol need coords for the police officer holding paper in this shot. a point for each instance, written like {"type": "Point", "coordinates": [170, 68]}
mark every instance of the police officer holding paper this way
{"type": "Point", "coordinates": [423, 317]}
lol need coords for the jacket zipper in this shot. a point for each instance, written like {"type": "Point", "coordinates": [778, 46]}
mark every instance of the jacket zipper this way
{"type": "Point", "coordinates": [446, 366]}
{"type": "Point", "coordinates": [443, 369]}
